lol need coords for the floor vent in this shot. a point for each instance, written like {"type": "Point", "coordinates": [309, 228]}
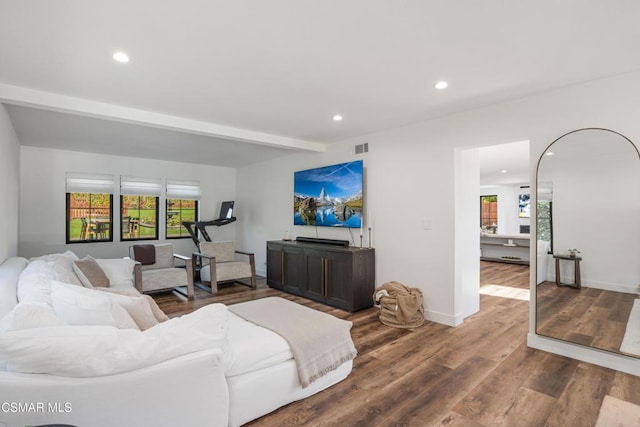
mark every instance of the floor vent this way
{"type": "Point", "coordinates": [362, 148]}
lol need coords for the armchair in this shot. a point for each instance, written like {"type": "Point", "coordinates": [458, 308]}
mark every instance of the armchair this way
{"type": "Point", "coordinates": [155, 268]}
{"type": "Point", "coordinates": [218, 264]}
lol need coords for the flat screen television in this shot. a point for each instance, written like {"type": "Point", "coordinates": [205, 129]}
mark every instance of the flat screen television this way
{"type": "Point", "coordinates": [330, 196]}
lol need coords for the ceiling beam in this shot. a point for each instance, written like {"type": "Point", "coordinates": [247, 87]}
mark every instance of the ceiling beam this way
{"type": "Point", "coordinates": [33, 98]}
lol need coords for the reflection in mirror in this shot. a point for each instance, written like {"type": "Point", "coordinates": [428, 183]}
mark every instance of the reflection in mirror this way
{"type": "Point", "coordinates": [588, 241]}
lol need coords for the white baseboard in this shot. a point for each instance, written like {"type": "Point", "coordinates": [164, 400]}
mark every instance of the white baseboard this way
{"type": "Point", "coordinates": [445, 319]}
{"type": "Point", "coordinates": [618, 362]}
{"type": "Point", "coordinates": [615, 287]}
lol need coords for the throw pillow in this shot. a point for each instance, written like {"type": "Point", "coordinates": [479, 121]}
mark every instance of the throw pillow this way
{"type": "Point", "coordinates": [81, 306]}
{"type": "Point", "coordinates": [136, 305]}
{"type": "Point", "coordinates": [157, 312]}
{"type": "Point", "coordinates": [90, 273]}
{"type": "Point", "coordinates": [118, 270]}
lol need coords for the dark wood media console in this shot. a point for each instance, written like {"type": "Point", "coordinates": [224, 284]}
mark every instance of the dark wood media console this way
{"type": "Point", "coordinates": [343, 277]}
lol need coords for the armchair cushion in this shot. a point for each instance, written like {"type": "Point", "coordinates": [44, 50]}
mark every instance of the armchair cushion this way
{"type": "Point", "coordinates": [227, 271]}
{"type": "Point", "coordinates": [163, 278]}
{"type": "Point", "coordinates": [222, 251]}
{"type": "Point", "coordinates": [164, 256]}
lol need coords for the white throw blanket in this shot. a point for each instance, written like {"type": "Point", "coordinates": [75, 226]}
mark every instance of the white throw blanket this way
{"type": "Point", "coordinates": [319, 342]}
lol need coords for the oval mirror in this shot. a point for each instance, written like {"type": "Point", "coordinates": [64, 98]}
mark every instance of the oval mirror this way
{"type": "Point", "coordinates": [588, 241]}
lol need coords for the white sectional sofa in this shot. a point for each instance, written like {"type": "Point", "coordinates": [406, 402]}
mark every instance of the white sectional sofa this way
{"type": "Point", "coordinates": [61, 362]}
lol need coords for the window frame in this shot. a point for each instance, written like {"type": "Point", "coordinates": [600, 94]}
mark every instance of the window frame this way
{"type": "Point", "coordinates": [157, 213]}
{"type": "Point", "coordinates": [482, 197]}
{"type": "Point", "coordinates": [186, 234]}
{"type": "Point", "coordinates": [68, 220]}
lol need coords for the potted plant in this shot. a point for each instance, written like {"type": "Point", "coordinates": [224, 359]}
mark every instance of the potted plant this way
{"type": "Point", "coordinates": [573, 252]}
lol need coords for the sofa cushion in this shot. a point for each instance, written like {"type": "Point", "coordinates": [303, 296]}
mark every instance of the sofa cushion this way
{"type": "Point", "coordinates": [10, 270]}
{"type": "Point", "coordinates": [34, 284]}
{"type": "Point", "coordinates": [81, 306]}
{"type": "Point", "coordinates": [30, 315]}
{"type": "Point", "coordinates": [90, 273]}
{"type": "Point", "coordinates": [88, 351]}
{"type": "Point", "coordinates": [60, 267]}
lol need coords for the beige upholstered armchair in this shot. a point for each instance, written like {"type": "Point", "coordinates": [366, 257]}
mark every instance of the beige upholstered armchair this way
{"type": "Point", "coordinates": [156, 269]}
{"type": "Point", "coordinates": [218, 264]}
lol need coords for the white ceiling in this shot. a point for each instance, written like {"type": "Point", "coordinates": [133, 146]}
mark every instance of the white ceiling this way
{"type": "Point", "coordinates": [511, 158]}
{"type": "Point", "coordinates": [224, 78]}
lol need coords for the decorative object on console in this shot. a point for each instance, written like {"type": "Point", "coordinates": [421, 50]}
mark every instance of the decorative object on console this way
{"type": "Point", "coordinates": [329, 196]}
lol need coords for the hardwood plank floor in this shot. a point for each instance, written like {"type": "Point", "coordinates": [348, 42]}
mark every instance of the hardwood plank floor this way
{"type": "Point", "coordinates": [480, 373]}
{"type": "Point", "coordinates": [587, 316]}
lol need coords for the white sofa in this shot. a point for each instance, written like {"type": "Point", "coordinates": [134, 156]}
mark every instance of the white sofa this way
{"type": "Point", "coordinates": [182, 371]}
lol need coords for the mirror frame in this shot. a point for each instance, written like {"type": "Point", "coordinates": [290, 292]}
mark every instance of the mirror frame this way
{"type": "Point", "coordinates": [535, 236]}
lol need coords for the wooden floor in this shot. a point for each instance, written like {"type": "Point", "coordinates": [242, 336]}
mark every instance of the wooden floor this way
{"type": "Point", "coordinates": [588, 316]}
{"type": "Point", "coordinates": [480, 373]}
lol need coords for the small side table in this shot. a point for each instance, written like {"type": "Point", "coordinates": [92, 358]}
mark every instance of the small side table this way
{"type": "Point", "coordinates": [576, 264]}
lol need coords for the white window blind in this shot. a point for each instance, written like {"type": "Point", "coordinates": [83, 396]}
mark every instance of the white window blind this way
{"type": "Point", "coordinates": [140, 186]}
{"type": "Point", "coordinates": [81, 182]}
{"type": "Point", "coordinates": [183, 189]}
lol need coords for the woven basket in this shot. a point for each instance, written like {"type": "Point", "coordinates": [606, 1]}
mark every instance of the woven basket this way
{"type": "Point", "coordinates": [388, 314]}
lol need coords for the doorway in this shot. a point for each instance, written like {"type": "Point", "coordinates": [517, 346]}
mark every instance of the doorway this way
{"type": "Point", "coordinates": [505, 220]}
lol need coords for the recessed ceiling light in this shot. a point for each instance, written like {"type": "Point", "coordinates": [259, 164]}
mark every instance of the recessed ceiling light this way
{"type": "Point", "coordinates": [442, 85]}
{"type": "Point", "coordinates": [550, 153]}
{"type": "Point", "coordinates": [121, 57]}
{"type": "Point", "coordinates": [337, 118]}
{"type": "Point", "coordinates": [503, 171]}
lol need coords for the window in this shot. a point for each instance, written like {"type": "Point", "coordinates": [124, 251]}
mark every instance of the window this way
{"type": "Point", "coordinates": [179, 210]}
{"type": "Point", "coordinates": [182, 205]}
{"type": "Point", "coordinates": [139, 201]}
{"type": "Point", "coordinates": [489, 212]}
{"type": "Point", "coordinates": [89, 214]}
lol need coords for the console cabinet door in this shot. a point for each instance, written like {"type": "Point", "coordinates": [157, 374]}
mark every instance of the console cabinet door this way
{"type": "Point", "coordinates": [338, 276]}
{"type": "Point", "coordinates": [315, 262]}
{"type": "Point", "coordinates": [275, 266]}
{"type": "Point", "coordinates": [293, 270]}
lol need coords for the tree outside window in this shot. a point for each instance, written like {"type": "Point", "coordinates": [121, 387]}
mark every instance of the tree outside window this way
{"type": "Point", "coordinates": [89, 217]}
{"type": "Point", "coordinates": [178, 211]}
{"type": "Point", "coordinates": [139, 217]}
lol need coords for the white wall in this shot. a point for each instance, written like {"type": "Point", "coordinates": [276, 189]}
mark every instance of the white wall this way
{"type": "Point", "coordinates": [9, 186]}
{"type": "Point", "coordinates": [411, 176]}
{"type": "Point", "coordinates": [42, 201]}
{"type": "Point", "coordinates": [508, 220]}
